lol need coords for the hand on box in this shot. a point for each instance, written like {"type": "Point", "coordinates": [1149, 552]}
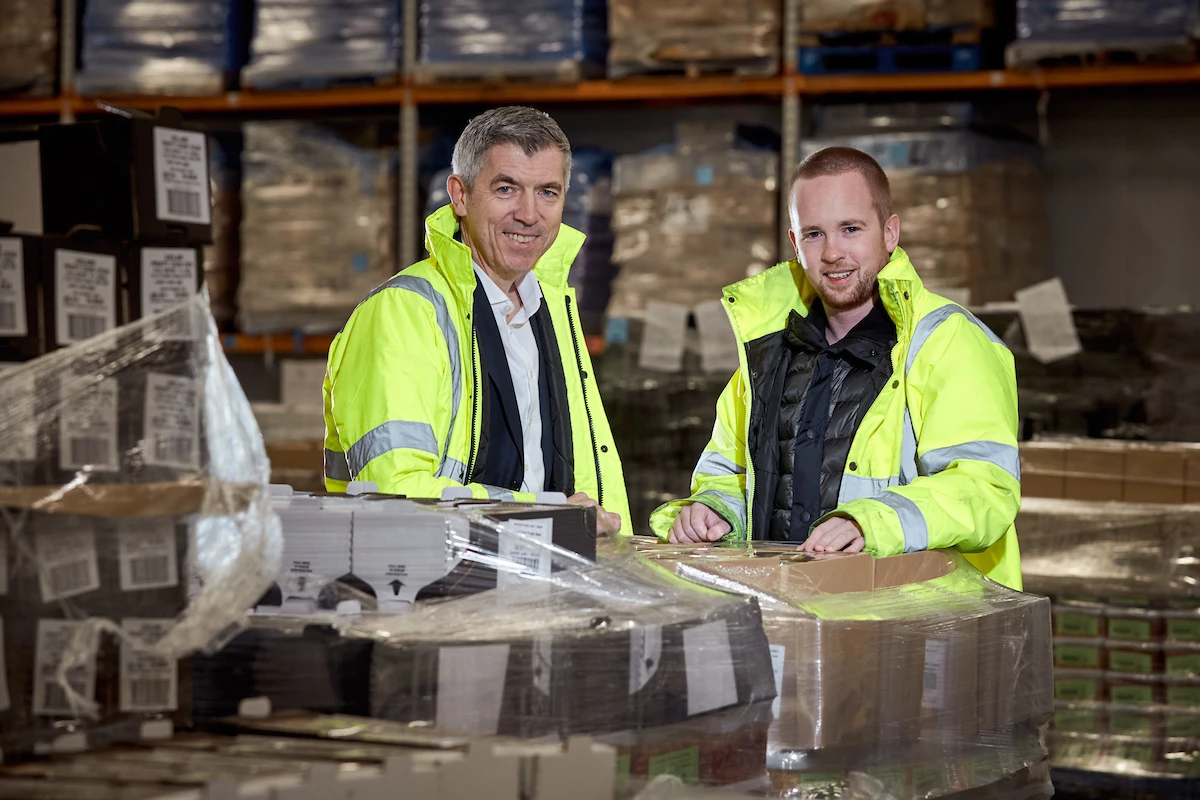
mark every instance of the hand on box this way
{"type": "Point", "coordinates": [606, 521]}
{"type": "Point", "coordinates": [696, 524]}
{"type": "Point", "coordinates": [835, 535]}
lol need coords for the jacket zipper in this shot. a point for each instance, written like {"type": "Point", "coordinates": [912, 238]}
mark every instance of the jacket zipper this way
{"type": "Point", "coordinates": [586, 407]}
{"type": "Point", "coordinates": [474, 407]}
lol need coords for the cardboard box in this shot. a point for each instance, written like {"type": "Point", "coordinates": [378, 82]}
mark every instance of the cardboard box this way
{"type": "Point", "coordinates": [132, 179]}
{"type": "Point", "coordinates": [1191, 473]}
{"type": "Point", "coordinates": [156, 278]}
{"type": "Point", "coordinates": [1095, 472]}
{"type": "Point", "coordinates": [22, 334]}
{"type": "Point", "coordinates": [1043, 470]}
{"type": "Point", "coordinates": [1154, 475]}
{"type": "Point", "coordinates": [82, 294]}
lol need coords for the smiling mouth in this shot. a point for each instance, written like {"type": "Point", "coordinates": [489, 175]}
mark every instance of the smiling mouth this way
{"type": "Point", "coordinates": [839, 276]}
{"type": "Point", "coordinates": [519, 239]}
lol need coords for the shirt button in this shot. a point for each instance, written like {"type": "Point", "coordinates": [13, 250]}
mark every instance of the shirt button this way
{"type": "Point", "coordinates": [531, 373]}
{"type": "Point", "coordinates": [508, 309]}
{"type": "Point", "coordinates": [810, 434]}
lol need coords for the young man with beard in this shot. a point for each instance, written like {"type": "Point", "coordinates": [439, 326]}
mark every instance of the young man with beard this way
{"type": "Point", "coordinates": [469, 368]}
{"type": "Point", "coordinates": [868, 412]}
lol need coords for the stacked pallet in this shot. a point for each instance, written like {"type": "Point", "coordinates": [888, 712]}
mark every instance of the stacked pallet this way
{"type": "Point", "coordinates": [1055, 32]}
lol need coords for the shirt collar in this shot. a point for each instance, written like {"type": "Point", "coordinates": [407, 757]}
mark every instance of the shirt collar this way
{"type": "Point", "coordinates": [528, 289]}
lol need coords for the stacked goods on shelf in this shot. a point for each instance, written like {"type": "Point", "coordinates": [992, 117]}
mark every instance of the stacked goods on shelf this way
{"type": "Point", "coordinates": [561, 40]}
{"type": "Point", "coordinates": [913, 671]}
{"type": "Point", "coordinates": [692, 218]}
{"type": "Point", "coordinates": [970, 205]}
{"type": "Point", "coordinates": [875, 36]}
{"type": "Point", "coordinates": [1111, 470]}
{"type": "Point", "coordinates": [320, 43]}
{"type": "Point", "coordinates": [317, 228]}
{"type": "Point", "coordinates": [1123, 580]}
{"type": "Point", "coordinates": [221, 257]}
{"type": "Point", "coordinates": [168, 47]}
{"type": "Point", "coordinates": [28, 47]}
{"type": "Point", "coordinates": [690, 37]}
{"type": "Point", "coordinates": [133, 478]}
{"type": "Point", "coordinates": [294, 428]}
{"type": "Point", "coordinates": [589, 210]}
{"type": "Point", "coordinates": [1053, 32]}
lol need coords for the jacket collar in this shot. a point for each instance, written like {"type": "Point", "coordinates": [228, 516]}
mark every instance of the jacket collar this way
{"type": "Point", "coordinates": [453, 258]}
{"type": "Point", "coordinates": [760, 304]}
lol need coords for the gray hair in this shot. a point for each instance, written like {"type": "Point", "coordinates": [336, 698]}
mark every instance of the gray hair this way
{"type": "Point", "coordinates": [528, 128]}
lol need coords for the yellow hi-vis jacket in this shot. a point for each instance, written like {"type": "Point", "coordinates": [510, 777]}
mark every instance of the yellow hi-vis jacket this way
{"type": "Point", "coordinates": [402, 394]}
{"type": "Point", "coordinates": [934, 462]}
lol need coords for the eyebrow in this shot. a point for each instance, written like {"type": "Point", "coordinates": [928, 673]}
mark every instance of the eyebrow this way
{"type": "Point", "coordinates": [846, 222]}
{"type": "Point", "coordinates": [502, 179]}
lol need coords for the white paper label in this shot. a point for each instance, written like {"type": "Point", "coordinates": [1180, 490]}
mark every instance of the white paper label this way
{"type": "Point", "coordinates": [148, 682]}
{"type": "Point", "coordinates": [67, 564]}
{"type": "Point", "coordinates": [88, 428]}
{"type": "Point", "coordinates": [181, 176]}
{"type": "Point", "coordinates": [17, 391]}
{"type": "Point", "coordinates": [470, 688]}
{"type": "Point", "coordinates": [172, 422]}
{"type": "Point", "coordinates": [5, 700]}
{"type": "Point", "coordinates": [778, 656]}
{"type": "Point", "coordinates": [663, 336]}
{"type": "Point", "coordinates": [708, 662]}
{"type": "Point", "coordinates": [399, 567]}
{"type": "Point", "coordinates": [148, 556]}
{"type": "Point", "coordinates": [645, 654]}
{"type": "Point", "coordinates": [85, 295]}
{"type": "Point", "coordinates": [718, 345]}
{"type": "Point", "coordinates": [170, 276]}
{"type": "Point", "coordinates": [12, 288]}
{"type": "Point", "coordinates": [53, 638]}
{"type": "Point", "coordinates": [525, 557]}
{"type": "Point", "coordinates": [933, 698]}
{"type": "Point", "coordinates": [1046, 317]}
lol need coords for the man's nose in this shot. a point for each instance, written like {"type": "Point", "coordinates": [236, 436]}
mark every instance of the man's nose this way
{"type": "Point", "coordinates": [526, 212]}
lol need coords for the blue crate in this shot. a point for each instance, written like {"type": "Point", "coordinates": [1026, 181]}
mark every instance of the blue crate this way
{"type": "Point", "coordinates": [890, 59]}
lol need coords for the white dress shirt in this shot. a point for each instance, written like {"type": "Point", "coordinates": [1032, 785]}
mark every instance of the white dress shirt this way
{"type": "Point", "coordinates": [520, 346]}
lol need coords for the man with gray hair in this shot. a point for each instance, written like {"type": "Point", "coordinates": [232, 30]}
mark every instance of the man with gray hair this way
{"type": "Point", "coordinates": [469, 368]}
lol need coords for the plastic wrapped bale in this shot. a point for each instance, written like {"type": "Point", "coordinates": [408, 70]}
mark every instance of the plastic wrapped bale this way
{"type": "Point", "coordinates": [320, 43]}
{"type": "Point", "coordinates": [28, 46]}
{"type": "Point", "coordinates": [317, 228]}
{"type": "Point", "coordinates": [676, 676]}
{"type": "Point", "coordinates": [134, 477]}
{"type": "Point", "coordinates": [913, 670]}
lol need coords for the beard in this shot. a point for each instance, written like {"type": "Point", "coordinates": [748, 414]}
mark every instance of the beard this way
{"type": "Point", "coordinates": [848, 296]}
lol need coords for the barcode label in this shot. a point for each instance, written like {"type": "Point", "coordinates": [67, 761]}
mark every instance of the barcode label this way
{"type": "Point", "coordinates": [67, 564]}
{"type": "Point", "coordinates": [12, 288]}
{"type": "Point", "coordinates": [933, 698]}
{"type": "Point", "coordinates": [148, 681]}
{"type": "Point", "coordinates": [147, 555]}
{"type": "Point", "coordinates": [519, 544]}
{"type": "Point", "coordinates": [85, 295]}
{"type": "Point", "coordinates": [181, 176]}
{"type": "Point", "coordinates": [183, 204]}
{"type": "Point", "coordinates": [53, 638]}
{"type": "Point", "coordinates": [172, 436]}
{"type": "Point", "coordinates": [170, 277]}
{"type": "Point", "coordinates": [88, 425]}
{"type": "Point", "coordinates": [80, 327]}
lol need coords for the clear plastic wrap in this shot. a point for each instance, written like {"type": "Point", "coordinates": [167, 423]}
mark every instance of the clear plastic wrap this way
{"type": "Point", "coordinates": [690, 221]}
{"type": "Point", "coordinates": [1098, 20]}
{"type": "Point", "coordinates": [155, 46]}
{"type": "Point", "coordinates": [134, 503]}
{"type": "Point", "coordinates": [28, 46]}
{"type": "Point", "coordinates": [315, 43]}
{"type": "Point", "coordinates": [839, 16]}
{"type": "Point", "coordinates": [317, 231]}
{"type": "Point", "coordinates": [674, 36]}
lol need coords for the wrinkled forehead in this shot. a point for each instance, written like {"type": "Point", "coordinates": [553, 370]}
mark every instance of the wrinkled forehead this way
{"type": "Point", "coordinates": [545, 167]}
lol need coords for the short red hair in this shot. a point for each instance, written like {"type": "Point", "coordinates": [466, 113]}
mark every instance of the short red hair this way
{"type": "Point", "coordinates": [840, 160]}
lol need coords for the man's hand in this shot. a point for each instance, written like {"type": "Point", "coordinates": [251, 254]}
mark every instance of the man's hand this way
{"type": "Point", "coordinates": [606, 521]}
{"type": "Point", "coordinates": [834, 535]}
{"type": "Point", "coordinates": [696, 524]}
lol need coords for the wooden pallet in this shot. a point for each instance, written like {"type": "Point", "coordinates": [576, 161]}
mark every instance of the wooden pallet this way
{"type": "Point", "coordinates": [515, 71]}
{"type": "Point", "coordinates": [739, 67]}
{"type": "Point", "coordinates": [1110, 52]}
{"type": "Point", "coordinates": [941, 35]}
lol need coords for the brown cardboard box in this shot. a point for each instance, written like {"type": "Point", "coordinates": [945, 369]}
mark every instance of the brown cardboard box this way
{"type": "Point", "coordinates": [1095, 472]}
{"type": "Point", "coordinates": [1154, 475]}
{"type": "Point", "coordinates": [1191, 477]}
{"type": "Point", "coordinates": [1043, 470]}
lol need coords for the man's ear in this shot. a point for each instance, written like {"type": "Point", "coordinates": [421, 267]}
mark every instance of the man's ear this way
{"type": "Point", "coordinates": [891, 233]}
{"type": "Point", "coordinates": [795, 246]}
{"type": "Point", "coordinates": [458, 194]}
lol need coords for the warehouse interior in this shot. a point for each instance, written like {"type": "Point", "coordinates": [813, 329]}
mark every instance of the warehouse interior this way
{"type": "Point", "coordinates": [197, 195]}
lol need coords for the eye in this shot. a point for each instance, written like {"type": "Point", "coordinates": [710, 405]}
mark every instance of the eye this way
{"type": "Point", "coordinates": [811, 235]}
{"type": "Point", "coordinates": [549, 193]}
{"type": "Point", "coordinates": [503, 189]}
{"type": "Point", "coordinates": [851, 229]}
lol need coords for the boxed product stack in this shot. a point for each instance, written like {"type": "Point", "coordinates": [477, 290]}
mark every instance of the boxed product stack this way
{"type": "Point", "coordinates": [1101, 470]}
{"type": "Point", "coordinates": [317, 230]}
{"type": "Point", "coordinates": [221, 257]}
{"type": "Point", "coordinates": [171, 47]}
{"type": "Point", "coordinates": [913, 671]}
{"type": "Point", "coordinates": [1126, 611]}
{"type": "Point", "coordinates": [589, 209]}
{"type": "Point", "coordinates": [689, 37]}
{"type": "Point", "coordinates": [560, 40]}
{"type": "Point", "coordinates": [692, 219]}
{"type": "Point", "coordinates": [133, 477]}
{"type": "Point", "coordinates": [28, 47]}
{"type": "Point", "coordinates": [970, 205]}
{"type": "Point", "coordinates": [320, 43]}
{"type": "Point", "coordinates": [1053, 32]}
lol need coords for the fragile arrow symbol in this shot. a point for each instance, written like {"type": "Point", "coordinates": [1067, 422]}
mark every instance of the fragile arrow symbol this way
{"type": "Point", "coordinates": [396, 586]}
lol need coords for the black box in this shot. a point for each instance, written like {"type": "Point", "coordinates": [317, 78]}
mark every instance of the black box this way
{"type": "Point", "coordinates": [82, 288]}
{"type": "Point", "coordinates": [157, 278]}
{"type": "Point", "coordinates": [22, 335]}
{"type": "Point", "coordinates": [136, 178]}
